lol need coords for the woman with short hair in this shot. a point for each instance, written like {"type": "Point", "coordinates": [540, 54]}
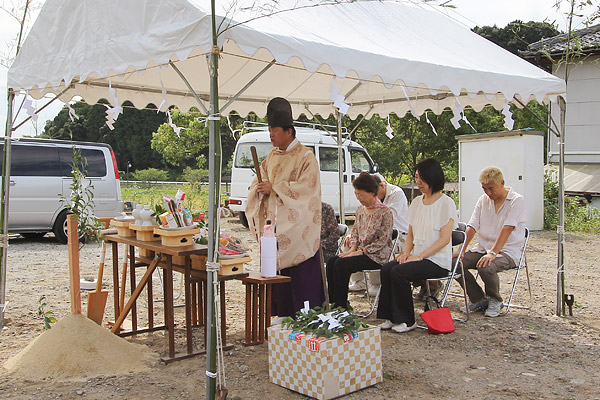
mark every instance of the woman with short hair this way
{"type": "Point", "coordinates": [428, 250]}
{"type": "Point", "coordinates": [370, 240]}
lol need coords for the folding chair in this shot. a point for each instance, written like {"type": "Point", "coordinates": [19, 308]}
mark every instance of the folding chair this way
{"type": "Point", "coordinates": [459, 238]}
{"type": "Point", "coordinates": [373, 301]}
{"type": "Point", "coordinates": [522, 263]}
{"type": "Point", "coordinates": [343, 229]}
{"type": "Point", "coordinates": [517, 268]}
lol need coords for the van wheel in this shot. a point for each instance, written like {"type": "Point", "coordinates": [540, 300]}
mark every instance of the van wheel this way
{"type": "Point", "coordinates": [243, 219]}
{"type": "Point", "coordinates": [60, 227]}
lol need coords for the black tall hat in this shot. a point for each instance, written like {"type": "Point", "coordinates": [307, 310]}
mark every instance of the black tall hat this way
{"type": "Point", "coordinates": [279, 113]}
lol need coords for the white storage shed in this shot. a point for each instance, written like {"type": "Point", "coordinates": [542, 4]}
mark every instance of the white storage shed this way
{"type": "Point", "coordinates": [520, 155]}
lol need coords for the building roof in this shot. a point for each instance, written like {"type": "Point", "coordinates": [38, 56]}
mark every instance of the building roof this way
{"type": "Point", "coordinates": [587, 40]}
{"type": "Point", "coordinates": [581, 179]}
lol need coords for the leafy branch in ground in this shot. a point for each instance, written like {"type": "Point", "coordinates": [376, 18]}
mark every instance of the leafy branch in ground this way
{"type": "Point", "coordinates": [81, 201]}
{"type": "Point", "coordinates": [44, 315]}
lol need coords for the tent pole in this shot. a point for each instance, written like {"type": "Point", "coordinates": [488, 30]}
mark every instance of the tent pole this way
{"type": "Point", "coordinates": [360, 122]}
{"type": "Point", "coordinates": [214, 196]}
{"type": "Point", "coordinates": [4, 211]}
{"type": "Point", "coordinates": [247, 85]}
{"type": "Point", "coordinates": [187, 83]}
{"type": "Point", "coordinates": [340, 166]}
{"type": "Point", "coordinates": [39, 109]}
{"type": "Point", "coordinates": [546, 124]}
{"type": "Point", "coordinates": [560, 275]}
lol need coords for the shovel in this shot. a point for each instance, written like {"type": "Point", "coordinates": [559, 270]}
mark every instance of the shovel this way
{"type": "Point", "coordinates": [97, 298]}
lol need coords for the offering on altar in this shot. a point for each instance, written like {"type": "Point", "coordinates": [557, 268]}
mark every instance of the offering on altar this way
{"type": "Point", "coordinates": [173, 215]}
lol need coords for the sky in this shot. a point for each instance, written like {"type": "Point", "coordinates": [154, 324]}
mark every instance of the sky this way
{"type": "Point", "coordinates": [468, 12]}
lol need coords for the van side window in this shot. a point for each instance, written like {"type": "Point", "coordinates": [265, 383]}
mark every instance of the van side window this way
{"type": "Point", "coordinates": [34, 161]}
{"type": "Point", "coordinates": [360, 162]}
{"type": "Point", "coordinates": [243, 156]}
{"type": "Point", "coordinates": [328, 159]}
{"type": "Point", "coordinates": [96, 164]}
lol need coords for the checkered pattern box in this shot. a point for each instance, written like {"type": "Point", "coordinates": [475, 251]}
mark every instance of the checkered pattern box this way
{"type": "Point", "coordinates": [325, 368]}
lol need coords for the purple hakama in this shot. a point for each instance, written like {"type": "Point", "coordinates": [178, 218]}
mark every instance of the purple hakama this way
{"type": "Point", "coordinates": [306, 284]}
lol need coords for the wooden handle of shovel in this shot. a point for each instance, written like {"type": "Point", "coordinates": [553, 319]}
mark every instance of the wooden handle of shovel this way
{"type": "Point", "coordinates": [256, 163]}
{"type": "Point", "coordinates": [101, 269]}
{"type": "Point", "coordinates": [123, 279]}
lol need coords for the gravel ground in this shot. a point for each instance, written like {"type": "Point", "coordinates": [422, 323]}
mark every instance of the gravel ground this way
{"type": "Point", "coordinates": [526, 354]}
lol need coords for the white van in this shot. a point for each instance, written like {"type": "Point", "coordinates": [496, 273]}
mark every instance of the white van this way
{"type": "Point", "coordinates": [39, 176]}
{"type": "Point", "coordinates": [323, 143]}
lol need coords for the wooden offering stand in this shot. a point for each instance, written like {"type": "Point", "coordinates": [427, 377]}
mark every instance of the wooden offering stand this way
{"type": "Point", "coordinates": [122, 228]}
{"type": "Point", "coordinates": [146, 234]}
{"type": "Point", "coordinates": [176, 237]}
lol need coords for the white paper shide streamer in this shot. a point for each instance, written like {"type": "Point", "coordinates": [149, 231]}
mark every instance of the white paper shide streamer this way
{"type": "Point", "coordinates": [389, 132]}
{"type": "Point", "coordinates": [509, 122]}
{"type": "Point", "coordinates": [112, 113]}
{"type": "Point", "coordinates": [72, 113]}
{"type": "Point", "coordinates": [268, 252]}
{"type": "Point", "coordinates": [339, 101]}
{"type": "Point", "coordinates": [29, 108]}
{"type": "Point", "coordinates": [430, 124]}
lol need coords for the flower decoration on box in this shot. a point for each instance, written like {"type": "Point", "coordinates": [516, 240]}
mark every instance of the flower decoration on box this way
{"type": "Point", "coordinates": [324, 323]}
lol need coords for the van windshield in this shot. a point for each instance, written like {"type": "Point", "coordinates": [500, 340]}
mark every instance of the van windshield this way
{"type": "Point", "coordinates": [243, 156]}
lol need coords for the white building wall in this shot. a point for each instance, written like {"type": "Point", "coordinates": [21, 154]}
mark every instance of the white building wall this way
{"type": "Point", "coordinates": [582, 136]}
{"type": "Point", "coordinates": [520, 156]}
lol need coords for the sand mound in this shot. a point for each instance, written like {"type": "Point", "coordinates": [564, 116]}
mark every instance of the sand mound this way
{"type": "Point", "coordinates": [78, 348]}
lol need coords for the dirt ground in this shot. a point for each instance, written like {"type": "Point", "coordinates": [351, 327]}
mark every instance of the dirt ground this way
{"type": "Point", "coordinates": [526, 354]}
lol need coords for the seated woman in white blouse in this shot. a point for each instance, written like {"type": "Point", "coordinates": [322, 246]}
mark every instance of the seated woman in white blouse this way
{"type": "Point", "coordinates": [428, 250]}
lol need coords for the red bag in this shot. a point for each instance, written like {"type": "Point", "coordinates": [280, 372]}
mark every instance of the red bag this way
{"type": "Point", "coordinates": [438, 320]}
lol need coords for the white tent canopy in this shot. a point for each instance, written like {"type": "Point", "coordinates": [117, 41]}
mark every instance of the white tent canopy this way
{"type": "Point", "coordinates": [382, 54]}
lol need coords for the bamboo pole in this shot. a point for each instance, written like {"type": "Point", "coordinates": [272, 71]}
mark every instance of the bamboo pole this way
{"type": "Point", "coordinates": [214, 166]}
{"type": "Point", "coordinates": [6, 180]}
{"type": "Point", "coordinates": [5, 195]}
{"type": "Point", "coordinates": [340, 166]}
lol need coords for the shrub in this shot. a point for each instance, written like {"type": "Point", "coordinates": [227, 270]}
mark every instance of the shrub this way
{"type": "Point", "coordinates": [195, 177]}
{"type": "Point", "coordinates": [578, 218]}
{"type": "Point", "coordinates": [151, 174]}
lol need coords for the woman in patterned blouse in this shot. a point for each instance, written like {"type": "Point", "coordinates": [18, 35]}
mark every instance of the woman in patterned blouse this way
{"type": "Point", "coordinates": [370, 240]}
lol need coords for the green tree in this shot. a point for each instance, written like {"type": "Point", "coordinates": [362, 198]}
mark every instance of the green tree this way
{"type": "Point", "coordinates": [517, 35]}
{"type": "Point", "coordinates": [189, 148]}
{"type": "Point", "coordinates": [130, 139]}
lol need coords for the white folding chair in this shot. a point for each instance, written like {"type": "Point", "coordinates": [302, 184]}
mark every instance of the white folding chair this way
{"type": "Point", "coordinates": [459, 238]}
{"type": "Point", "coordinates": [517, 268]}
{"type": "Point", "coordinates": [373, 300]}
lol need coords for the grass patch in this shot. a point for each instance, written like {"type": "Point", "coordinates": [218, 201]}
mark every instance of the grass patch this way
{"type": "Point", "coordinates": [195, 199]}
